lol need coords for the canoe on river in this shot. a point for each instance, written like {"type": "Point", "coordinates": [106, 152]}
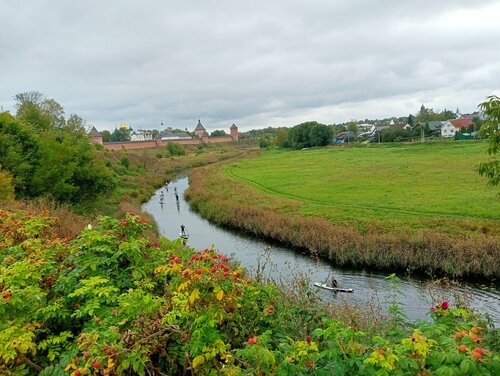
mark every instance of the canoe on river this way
{"type": "Point", "coordinates": [184, 236]}
{"type": "Point", "coordinates": [336, 289]}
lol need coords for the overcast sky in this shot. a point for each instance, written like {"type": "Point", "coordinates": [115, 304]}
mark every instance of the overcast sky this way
{"type": "Point", "coordinates": [254, 63]}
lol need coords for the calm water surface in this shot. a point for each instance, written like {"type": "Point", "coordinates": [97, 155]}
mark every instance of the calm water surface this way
{"type": "Point", "coordinates": [282, 263]}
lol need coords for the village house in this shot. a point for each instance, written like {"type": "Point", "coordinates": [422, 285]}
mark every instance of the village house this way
{"type": "Point", "coordinates": [450, 128]}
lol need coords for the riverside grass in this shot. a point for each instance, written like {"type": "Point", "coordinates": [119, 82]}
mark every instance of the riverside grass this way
{"type": "Point", "coordinates": [408, 207]}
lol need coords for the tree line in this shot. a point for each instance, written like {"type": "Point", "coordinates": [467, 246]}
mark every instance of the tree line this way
{"type": "Point", "coordinates": [45, 153]}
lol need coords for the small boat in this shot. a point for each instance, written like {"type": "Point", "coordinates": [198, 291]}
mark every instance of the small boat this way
{"type": "Point", "coordinates": [335, 289]}
{"type": "Point", "coordinates": [184, 236]}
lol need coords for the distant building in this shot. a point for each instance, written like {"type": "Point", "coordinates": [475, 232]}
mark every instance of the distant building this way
{"type": "Point", "coordinates": [343, 137]}
{"type": "Point", "coordinates": [171, 136]}
{"type": "Point", "coordinates": [199, 130]}
{"type": "Point", "coordinates": [450, 127]}
{"type": "Point", "coordinates": [141, 135]}
{"type": "Point", "coordinates": [95, 136]}
{"type": "Point", "coordinates": [234, 132]}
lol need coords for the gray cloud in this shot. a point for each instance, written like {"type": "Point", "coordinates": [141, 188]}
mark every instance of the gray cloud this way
{"type": "Point", "coordinates": [254, 63]}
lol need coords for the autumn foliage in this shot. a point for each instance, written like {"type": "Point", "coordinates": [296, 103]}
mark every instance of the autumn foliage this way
{"type": "Point", "coordinates": [114, 302]}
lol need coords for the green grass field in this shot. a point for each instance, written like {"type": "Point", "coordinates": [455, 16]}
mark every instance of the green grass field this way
{"type": "Point", "coordinates": [431, 186]}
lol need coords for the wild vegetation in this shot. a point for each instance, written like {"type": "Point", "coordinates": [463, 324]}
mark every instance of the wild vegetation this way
{"type": "Point", "coordinates": [113, 301]}
{"type": "Point", "coordinates": [491, 130]}
{"type": "Point", "coordinates": [87, 296]}
{"type": "Point", "coordinates": [43, 154]}
{"type": "Point", "coordinates": [408, 207]}
{"type": "Point", "coordinates": [48, 156]}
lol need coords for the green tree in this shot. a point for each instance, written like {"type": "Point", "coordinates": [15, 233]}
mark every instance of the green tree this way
{"type": "Point", "coordinates": [352, 126]}
{"type": "Point", "coordinates": [411, 120]}
{"type": "Point", "coordinates": [106, 135]}
{"type": "Point", "coordinates": [6, 186]}
{"type": "Point", "coordinates": [263, 142]}
{"type": "Point", "coordinates": [75, 123]}
{"type": "Point", "coordinates": [68, 170]}
{"type": "Point", "coordinates": [120, 134]}
{"type": "Point", "coordinates": [49, 156]}
{"type": "Point", "coordinates": [309, 134]}
{"type": "Point", "coordinates": [218, 133]}
{"type": "Point", "coordinates": [320, 135]}
{"type": "Point", "coordinates": [35, 109]}
{"type": "Point", "coordinates": [491, 130]}
{"type": "Point", "coordinates": [281, 137]}
{"type": "Point", "coordinates": [19, 153]}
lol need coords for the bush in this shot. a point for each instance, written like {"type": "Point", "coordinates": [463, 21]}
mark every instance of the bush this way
{"type": "Point", "coordinates": [113, 301]}
{"type": "Point", "coordinates": [174, 149]}
{"type": "Point", "coordinates": [125, 162]}
{"type": "Point", "coordinates": [6, 187]}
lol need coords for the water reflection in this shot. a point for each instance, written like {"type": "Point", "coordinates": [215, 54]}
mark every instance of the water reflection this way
{"type": "Point", "coordinates": [285, 265]}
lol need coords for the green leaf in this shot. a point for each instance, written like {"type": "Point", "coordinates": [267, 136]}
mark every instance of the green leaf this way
{"type": "Point", "coordinates": [465, 366]}
{"type": "Point", "coordinates": [198, 361]}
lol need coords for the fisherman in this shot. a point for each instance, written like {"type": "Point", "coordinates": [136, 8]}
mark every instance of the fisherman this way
{"type": "Point", "coordinates": [183, 230]}
{"type": "Point", "coordinates": [176, 197]}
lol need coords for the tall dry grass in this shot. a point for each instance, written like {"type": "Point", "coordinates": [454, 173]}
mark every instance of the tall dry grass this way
{"type": "Point", "coordinates": [68, 225]}
{"type": "Point", "coordinates": [430, 252]}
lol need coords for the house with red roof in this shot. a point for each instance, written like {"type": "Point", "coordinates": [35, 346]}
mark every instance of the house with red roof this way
{"type": "Point", "coordinates": [450, 127]}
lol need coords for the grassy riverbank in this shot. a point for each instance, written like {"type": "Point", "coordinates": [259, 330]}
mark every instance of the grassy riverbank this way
{"type": "Point", "coordinates": [140, 172]}
{"type": "Point", "coordinates": [416, 207]}
{"type": "Point", "coordinates": [137, 173]}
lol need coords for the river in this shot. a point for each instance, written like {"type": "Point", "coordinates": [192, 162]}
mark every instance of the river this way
{"type": "Point", "coordinates": [370, 288]}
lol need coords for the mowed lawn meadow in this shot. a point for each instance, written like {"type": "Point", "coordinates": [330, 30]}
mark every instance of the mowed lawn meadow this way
{"type": "Point", "coordinates": [431, 186]}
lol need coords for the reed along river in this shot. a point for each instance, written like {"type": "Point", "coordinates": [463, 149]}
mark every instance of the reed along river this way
{"type": "Point", "coordinates": [283, 263]}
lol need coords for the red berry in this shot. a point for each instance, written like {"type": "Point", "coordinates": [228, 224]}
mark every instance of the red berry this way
{"type": "Point", "coordinates": [476, 355]}
{"type": "Point", "coordinates": [226, 274]}
{"type": "Point", "coordinates": [77, 373]}
{"type": "Point", "coordinates": [214, 269]}
{"type": "Point", "coordinates": [308, 340]}
{"type": "Point", "coordinates": [198, 271]}
{"type": "Point", "coordinates": [89, 342]}
{"type": "Point", "coordinates": [381, 351]}
{"type": "Point", "coordinates": [96, 364]}
{"type": "Point", "coordinates": [86, 354]}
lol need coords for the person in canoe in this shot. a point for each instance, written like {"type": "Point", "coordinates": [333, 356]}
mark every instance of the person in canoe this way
{"type": "Point", "coordinates": [183, 230]}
